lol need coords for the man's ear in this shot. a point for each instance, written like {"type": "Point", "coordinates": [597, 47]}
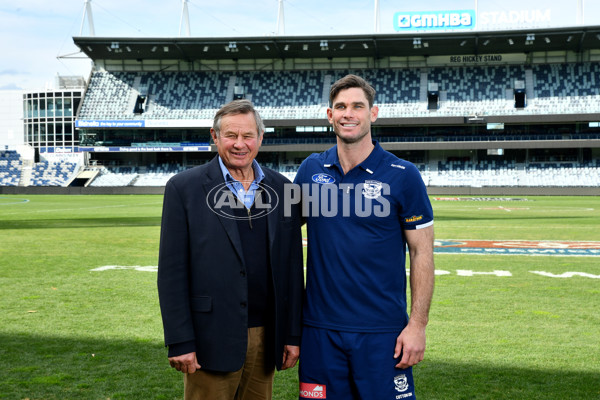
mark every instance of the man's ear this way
{"type": "Point", "coordinates": [374, 113]}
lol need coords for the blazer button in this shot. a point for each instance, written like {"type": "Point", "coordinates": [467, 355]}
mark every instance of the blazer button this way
{"type": "Point", "coordinates": [243, 304]}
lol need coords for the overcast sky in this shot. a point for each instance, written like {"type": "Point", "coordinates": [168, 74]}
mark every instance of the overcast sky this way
{"type": "Point", "coordinates": [33, 33]}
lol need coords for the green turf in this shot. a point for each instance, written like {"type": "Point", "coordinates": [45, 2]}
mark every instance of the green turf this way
{"type": "Point", "coordinates": [67, 332]}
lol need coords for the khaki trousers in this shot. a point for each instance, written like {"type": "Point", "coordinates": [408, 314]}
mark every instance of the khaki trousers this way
{"type": "Point", "coordinates": [254, 381]}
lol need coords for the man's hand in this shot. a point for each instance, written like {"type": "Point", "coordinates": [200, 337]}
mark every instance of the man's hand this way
{"type": "Point", "coordinates": [186, 363]}
{"type": "Point", "coordinates": [290, 356]}
{"type": "Point", "coordinates": [411, 345]}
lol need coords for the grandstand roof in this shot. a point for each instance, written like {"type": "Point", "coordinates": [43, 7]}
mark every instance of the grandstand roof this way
{"type": "Point", "coordinates": [574, 39]}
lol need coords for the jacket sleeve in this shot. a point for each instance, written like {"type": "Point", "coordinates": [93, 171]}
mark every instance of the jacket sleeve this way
{"type": "Point", "coordinates": [174, 270]}
{"type": "Point", "coordinates": [296, 281]}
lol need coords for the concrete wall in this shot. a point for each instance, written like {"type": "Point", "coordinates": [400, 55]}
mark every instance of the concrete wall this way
{"type": "Point", "coordinates": [31, 190]}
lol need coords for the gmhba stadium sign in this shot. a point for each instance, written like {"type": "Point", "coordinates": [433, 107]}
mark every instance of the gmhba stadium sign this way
{"type": "Point", "coordinates": [469, 19]}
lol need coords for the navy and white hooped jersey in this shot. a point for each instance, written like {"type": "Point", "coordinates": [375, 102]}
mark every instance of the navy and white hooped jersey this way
{"type": "Point", "coordinates": [356, 274]}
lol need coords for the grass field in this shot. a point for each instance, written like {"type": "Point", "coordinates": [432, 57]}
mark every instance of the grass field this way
{"type": "Point", "coordinates": [67, 332]}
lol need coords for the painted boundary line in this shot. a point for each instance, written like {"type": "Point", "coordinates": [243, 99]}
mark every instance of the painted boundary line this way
{"type": "Point", "coordinates": [438, 272]}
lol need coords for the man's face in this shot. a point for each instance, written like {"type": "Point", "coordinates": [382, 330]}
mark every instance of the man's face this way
{"type": "Point", "coordinates": [238, 142]}
{"type": "Point", "coordinates": [351, 116]}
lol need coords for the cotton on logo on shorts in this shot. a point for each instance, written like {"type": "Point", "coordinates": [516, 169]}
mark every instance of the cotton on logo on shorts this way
{"type": "Point", "coordinates": [312, 391]}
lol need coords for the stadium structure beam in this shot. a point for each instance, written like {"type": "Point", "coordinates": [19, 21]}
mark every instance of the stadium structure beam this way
{"type": "Point", "coordinates": [185, 18]}
{"type": "Point", "coordinates": [280, 20]}
{"type": "Point", "coordinates": [581, 38]}
{"type": "Point", "coordinates": [87, 10]}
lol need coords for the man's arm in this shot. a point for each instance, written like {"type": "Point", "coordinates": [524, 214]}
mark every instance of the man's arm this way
{"type": "Point", "coordinates": [411, 342]}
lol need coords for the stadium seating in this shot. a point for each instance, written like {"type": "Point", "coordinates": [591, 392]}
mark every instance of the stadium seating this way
{"type": "Point", "coordinates": [464, 91]}
{"type": "Point", "coordinates": [10, 168]}
{"type": "Point", "coordinates": [154, 175]}
{"type": "Point", "coordinates": [53, 174]}
{"type": "Point", "coordinates": [510, 174]}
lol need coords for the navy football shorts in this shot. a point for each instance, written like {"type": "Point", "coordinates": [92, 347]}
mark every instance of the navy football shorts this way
{"type": "Point", "coordinates": [346, 365]}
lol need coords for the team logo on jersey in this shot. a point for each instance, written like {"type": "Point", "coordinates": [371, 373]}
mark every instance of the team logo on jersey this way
{"type": "Point", "coordinates": [401, 383]}
{"type": "Point", "coordinates": [372, 189]}
{"type": "Point", "coordinates": [312, 391]}
{"type": "Point", "coordinates": [323, 178]}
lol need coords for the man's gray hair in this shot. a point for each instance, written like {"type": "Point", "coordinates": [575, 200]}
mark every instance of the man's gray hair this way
{"type": "Point", "coordinates": [236, 107]}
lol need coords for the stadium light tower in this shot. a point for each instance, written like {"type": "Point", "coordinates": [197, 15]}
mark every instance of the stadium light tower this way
{"type": "Point", "coordinates": [185, 18]}
{"type": "Point", "coordinates": [376, 27]}
{"type": "Point", "coordinates": [280, 20]}
{"type": "Point", "coordinates": [87, 10]}
{"type": "Point", "coordinates": [580, 14]}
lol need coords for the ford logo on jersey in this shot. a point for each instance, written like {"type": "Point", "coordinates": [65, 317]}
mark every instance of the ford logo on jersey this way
{"type": "Point", "coordinates": [323, 178]}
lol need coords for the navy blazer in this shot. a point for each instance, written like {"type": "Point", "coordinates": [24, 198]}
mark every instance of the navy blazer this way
{"type": "Point", "coordinates": [202, 280]}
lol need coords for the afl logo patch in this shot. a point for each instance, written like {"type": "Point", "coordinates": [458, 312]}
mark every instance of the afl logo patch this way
{"type": "Point", "coordinates": [323, 178]}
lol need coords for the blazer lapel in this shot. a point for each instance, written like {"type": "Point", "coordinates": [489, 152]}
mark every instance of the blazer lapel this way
{"type": "Point", "coordinates": [215, 182]}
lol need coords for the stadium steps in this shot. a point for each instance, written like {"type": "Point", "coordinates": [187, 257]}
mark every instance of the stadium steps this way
{"type": "Point", "coordinates": [230, 88]}
{"type": "Point", "coordinates": [529, 92]}
{"type": "Point", "coordinates": [26, 173]}
{"type": "Point", "coordinates": [326, 88]}
{"type": "Point", "coordinates": [134, 180]}
{"type": "Point", "coordinates": [423, 87]}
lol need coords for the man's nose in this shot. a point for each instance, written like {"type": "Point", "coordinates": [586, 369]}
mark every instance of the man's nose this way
{"type": "Point", "coordinates": [239, 141]}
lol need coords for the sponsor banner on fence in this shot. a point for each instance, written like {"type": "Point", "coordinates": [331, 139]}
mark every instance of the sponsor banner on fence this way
{"type": "Point", "coordinates": [144, 123]}
{"type": "Point", "coordinates": [517, 247]}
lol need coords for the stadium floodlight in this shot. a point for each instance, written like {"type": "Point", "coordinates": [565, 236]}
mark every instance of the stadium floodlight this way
{"type": "Point", "coordinates": [153, 49]}
{"type": "Point", "coordinates": [547, 39]}
{"type": "Point", "coordinates": [417, 43]}
{"type": "Point", "coordinates": [366, 46]}
{"type": "Point", "coordinates": [205, 49]}
{"type": "Point", "coordinates": [305, 47]}
{"type": "Point", "coordinates": [324, 45]}
{"type": "Point", "coordinates": [487, 41]}
{"type": "Point", "coordinates": [287, 47]}
{"type": "Point", "coordinates": [463, 43]}
{"type": "Point", "coordinates": [267, 48]}
{"type": "Point", "coordinates": [510, 41]}
{"type": "Point", "coordinates": [569, 38]}
{"type": "Point", "coordinates": [342, 46]}
{"type": "Point", "coordinates": [530, 38]}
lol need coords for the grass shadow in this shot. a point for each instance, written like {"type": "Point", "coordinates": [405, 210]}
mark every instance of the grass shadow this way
{"type": "Point", "coordinates": [47, 367]}
{"type": "Point", "coordinates": [75, 223]}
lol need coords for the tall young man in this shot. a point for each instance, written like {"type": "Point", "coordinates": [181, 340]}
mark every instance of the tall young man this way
{"type": "Point", "coordinates": [363, 207]}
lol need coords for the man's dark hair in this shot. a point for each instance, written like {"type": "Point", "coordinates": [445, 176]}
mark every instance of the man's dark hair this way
{"type": "Point", "coordinates": [236, 107]}
{"type": "Point", "coordinates": [352, 81]}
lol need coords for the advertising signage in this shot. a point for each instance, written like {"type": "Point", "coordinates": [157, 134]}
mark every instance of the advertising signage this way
{"type": "Point", "coordinates": [411, 21]}
{"type": "Point", "coordinates": [434, 20]}
{"type": "Point", "coordinates": [145, 123]}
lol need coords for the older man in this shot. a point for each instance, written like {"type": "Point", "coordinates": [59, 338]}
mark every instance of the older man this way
{"type": "Point", "coordinates": [230, 275]}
